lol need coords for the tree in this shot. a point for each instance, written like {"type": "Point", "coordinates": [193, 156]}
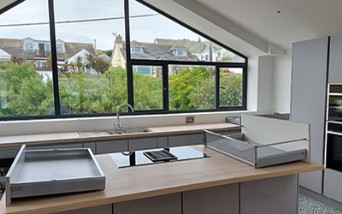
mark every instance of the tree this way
{"type": "Point", "coordinates": [98, 64]}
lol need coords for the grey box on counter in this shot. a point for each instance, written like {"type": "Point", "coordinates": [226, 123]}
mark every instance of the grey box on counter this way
{"type": "Point", "coordinates": [53, 171]}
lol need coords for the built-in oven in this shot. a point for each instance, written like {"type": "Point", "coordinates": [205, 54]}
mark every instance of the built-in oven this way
{"type": "Point", "coordinates": [335, 102]}
{"type": "Point", "coordinates": [333, 153]}
{"type": "Point", "coordinates": [334, 146]}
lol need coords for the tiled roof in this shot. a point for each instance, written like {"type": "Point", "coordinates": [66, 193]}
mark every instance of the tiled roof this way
{"type": "Point", "coordinates": [153, 51]}
{"type": "Point", "coordinates": [15, 48]}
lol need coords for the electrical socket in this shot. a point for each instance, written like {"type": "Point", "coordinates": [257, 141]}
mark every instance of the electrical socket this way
{"type": "Point", "coordinates": [190, 119]}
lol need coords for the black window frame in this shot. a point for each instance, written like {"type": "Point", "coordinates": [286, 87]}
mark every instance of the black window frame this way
{"type": "Point", "coordinates": [130, 62]}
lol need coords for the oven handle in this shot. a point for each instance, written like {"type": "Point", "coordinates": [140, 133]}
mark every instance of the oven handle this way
{"type": "Point", "coordinates": [334, 133]}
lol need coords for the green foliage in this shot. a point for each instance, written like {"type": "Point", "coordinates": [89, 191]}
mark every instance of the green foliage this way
{"type": "Point", "coordinates": [24, 93]}
{"type": "Point", "coordinates": [98, 64]}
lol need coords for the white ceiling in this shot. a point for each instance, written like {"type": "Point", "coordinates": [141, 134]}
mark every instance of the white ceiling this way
{"type": "Point", "coordinates": [296, 20]}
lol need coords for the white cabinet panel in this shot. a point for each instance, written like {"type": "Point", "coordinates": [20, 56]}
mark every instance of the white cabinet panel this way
{"type": "Point", "coordinates": [275, 195]}
{"type": "Point", "coordinates": [167, 204]}
{"type": "Point", "coordinates": [218, 200]}
{"type": "Point", "coordinates": [111, 146]}
{"type": "Point", "coordinates": [183, 140]}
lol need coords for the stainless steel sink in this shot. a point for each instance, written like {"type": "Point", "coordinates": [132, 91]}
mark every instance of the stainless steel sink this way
{"type": "Point", "coordinates": [135, 130]}
{"type": "Point", "coordinates": [112, 132]}
{"type": "Point", "coordinates": [98, 133]}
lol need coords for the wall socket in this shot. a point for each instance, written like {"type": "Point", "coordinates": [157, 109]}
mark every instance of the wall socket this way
{"type": "Point", "coordinates": [190, 119]}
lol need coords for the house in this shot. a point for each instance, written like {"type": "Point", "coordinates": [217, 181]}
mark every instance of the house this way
{"type": "Point", "coordinates": [38, 52]}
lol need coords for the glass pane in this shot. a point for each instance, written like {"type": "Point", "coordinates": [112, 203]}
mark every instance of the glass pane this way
{"type": "Point", "coordinates": [231, 87]}
{"type": "Point", "coordinates": [156, 37]}
{"type": "Point", "coordinates": [148, 87]}
{"type": "Point", "coordinates": [26, 87]}
{"type": "Point", "coordinates": [191, 87]}
{"type": "Point", "coordinates": [87, 33]}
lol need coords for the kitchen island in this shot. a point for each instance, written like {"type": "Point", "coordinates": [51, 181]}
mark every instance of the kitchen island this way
{"type": "Point", "coordinates": [217, 184]}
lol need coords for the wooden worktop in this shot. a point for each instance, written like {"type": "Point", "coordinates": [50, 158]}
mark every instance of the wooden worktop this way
{"type": "Point", "coordinates": [157, 179]}
{"type": "Point", "coordinates": [69, 137]}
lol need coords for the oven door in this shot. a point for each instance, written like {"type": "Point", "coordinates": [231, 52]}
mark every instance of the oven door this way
{"type": "Point", "coordinates": [334, 151]}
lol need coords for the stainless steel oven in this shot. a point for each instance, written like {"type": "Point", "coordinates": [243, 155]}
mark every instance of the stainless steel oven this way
{"type": "Point", "coordinates": [334, 146]}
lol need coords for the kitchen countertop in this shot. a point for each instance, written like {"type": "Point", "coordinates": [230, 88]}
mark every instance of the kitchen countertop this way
{"type": "Point", "coordinates": [69, 137]}
{"type": "Point", "coordinates": [157, 179]}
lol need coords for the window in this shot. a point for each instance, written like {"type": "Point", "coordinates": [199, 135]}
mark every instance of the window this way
{"type": "Point", "coordinates": [179, 52]}
{"type": "Point", "coordinates": [29, 47]}
{"type": "Point", "coordinates": [23, 92]}
{"type": "Point", "coordinates": [137, 50]}
{"type": "Point", "coordinates": [89, 82]}
{"type": "Point", "coordinates": [165, 66]}
{"type": "Point", "coordinates": [60, 48]}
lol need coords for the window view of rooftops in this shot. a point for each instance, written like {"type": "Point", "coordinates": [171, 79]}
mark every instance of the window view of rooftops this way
{"type": "Point", "coordinates": [167, 61]}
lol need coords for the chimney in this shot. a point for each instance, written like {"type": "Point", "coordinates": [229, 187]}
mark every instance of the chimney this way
{"type": "Point", "coordinates": [118, 39]}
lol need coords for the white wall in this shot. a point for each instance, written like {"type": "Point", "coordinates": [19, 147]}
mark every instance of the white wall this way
{"type": "Point", "coordinates": [265, 84]}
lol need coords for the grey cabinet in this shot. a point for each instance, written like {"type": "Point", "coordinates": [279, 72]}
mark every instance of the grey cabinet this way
{"type": "Point", "coordinates": [142, 143]}
{"type": "Point", "coordinates": [105, 209]}
{"type": "Point", "coordinates": [183, 140]}
{"type": "Point", "coordinates": [111, 146]}
{"type": "Point", "coordinates": [335, 62]}
{"type": "Point", "coordinates": [162, 142]}
{"type": "Point", "coordinates": [263, 196]}
{"type": "Point", "coordinates": [167, 204]}
{"type": "Point", "coordinates": [308, 97]}
{"type": "Point", "coordinates": [91, 146]}
{"type": "Point", "coordinates": [332, 184]}
{"type": "Point", "coordinates": [218, 200]}
{"type": "Point", "coordinates": [313, 180]}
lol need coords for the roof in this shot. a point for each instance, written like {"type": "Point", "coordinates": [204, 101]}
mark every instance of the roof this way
{"type": "Point", "coordinates": [14, 47]}
{"type": "Point", "coordinates": [153, 51]}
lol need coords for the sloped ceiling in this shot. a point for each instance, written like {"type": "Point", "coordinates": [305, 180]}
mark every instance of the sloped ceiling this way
{"type": "Point", "coordinates": [5, 4]}
{"type": "Point", "coordinates": [269, 23]}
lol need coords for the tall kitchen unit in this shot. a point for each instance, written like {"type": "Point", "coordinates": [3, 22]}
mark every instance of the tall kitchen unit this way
{"type": "Point", "coordinates": [308, 100]}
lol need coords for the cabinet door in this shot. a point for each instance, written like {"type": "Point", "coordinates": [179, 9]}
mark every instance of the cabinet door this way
{"type": "Point", "coordinates": [142, 143]}
{"type": "Point", "coordinates": [184, 140]}
{"type": "Point", "coordinates": [335, 62]}
{"type": "Point", "coordinates": [274, 195]}
{"type": "Point", "coordinates": [218, 200]}
{"type": "Point", "coordinates": [313, 180]}
{"type": "Point", "coordinates": [167, 204]}
{"type": "Point", "coordinates": [308, 93]}
{"type": "Point", "coordinates": [105, 209]}
{"type": "Point", "coordinates": [111, 146]}
{"type": "Point", "coordinates": [332, 184]}
{"type": "Point", "coordinates": [162, 142]}
{"type": "Point", "coordinates": [91, 146]}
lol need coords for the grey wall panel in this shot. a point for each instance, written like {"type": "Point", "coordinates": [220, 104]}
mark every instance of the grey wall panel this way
{"type": "Point", "coordinates": [275, 195]}
{"type": "Point", "coordinates": [168, 204]}
{"type": "Point", "coordinates": [308, 92]}
{"type": "Point", "coordinates": [218, 200]}
{"type": "Point", "coordinates": [335, 60]}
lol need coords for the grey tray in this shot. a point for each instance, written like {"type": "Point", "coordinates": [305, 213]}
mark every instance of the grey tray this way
{"type": "Point", "coordinates": [53, 171]}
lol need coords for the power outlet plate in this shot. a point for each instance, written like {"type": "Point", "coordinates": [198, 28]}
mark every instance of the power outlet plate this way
{"type": "Point", "coordinates": [190, 119]}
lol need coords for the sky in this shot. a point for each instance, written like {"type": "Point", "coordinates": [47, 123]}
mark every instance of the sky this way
{"type": "Point", "coordinates": [142, 29]}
